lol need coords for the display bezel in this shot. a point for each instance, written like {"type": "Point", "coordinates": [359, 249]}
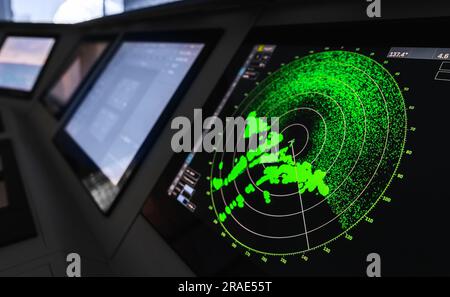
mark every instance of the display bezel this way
{"type": "Point", "coordinates": [78, 160]}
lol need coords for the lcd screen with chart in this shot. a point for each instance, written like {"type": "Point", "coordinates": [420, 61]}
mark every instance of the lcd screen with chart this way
{"type": "Point", "coordinates": [85, 57]}
{"type": "Point", "coordinates": [22, 59]}
{"type": "Point", "coordinates": [348, 163]}
{"type": "Point", "coordinates": [106, 135]}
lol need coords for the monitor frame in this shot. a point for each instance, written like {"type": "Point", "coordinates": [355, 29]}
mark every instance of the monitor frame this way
{"type": "Point", "coordinates": [73, 153]}
{"type": "Point", "coordinates": [309, 34]}
{"type": "Point", "coordinates": [22, 94]}
{"type": "Point", "coordinates": [112, 40]}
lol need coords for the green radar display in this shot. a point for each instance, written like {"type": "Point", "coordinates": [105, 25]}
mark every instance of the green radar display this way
{"type": "Point", "coordinates": [340, 136]}
{"type": "Point", "coordinates": [335, 156]}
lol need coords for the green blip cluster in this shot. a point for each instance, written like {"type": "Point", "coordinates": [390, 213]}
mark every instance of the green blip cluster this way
{"type": "Point", "coordinates": [237, 202]}
{"type": "Point", "coordinates": [287, 170]}
{"type": "Point", "coordinates": [250, 159]}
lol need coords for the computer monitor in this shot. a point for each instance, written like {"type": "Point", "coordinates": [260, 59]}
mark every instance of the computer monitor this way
{"type": "Point", "coordinates": [350, 161]}
{"type": "Point", "coordinates": [107, 134]}
{"type": "Point", "coordinates": [22, 59]}
{"type": "Point", "coordinates": [86, 55]}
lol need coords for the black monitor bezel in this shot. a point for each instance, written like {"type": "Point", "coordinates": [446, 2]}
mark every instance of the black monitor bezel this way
{"type": "Point", "coordinates": [22, 94]}
{"type": "Point", "coordinates": [112, 39]}
{"type": "Point", "coordinates": [73, 154]}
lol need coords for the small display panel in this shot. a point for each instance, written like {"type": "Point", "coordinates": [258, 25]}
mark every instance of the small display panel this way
{"type": "Point", "coordinates": [86, 55]}
{"type": "Point", "coordinates": [106, 136]}
{"type": "Point", "coordinates": [347, 172]}
{"type": "Point", "coordinates": [21, 61]}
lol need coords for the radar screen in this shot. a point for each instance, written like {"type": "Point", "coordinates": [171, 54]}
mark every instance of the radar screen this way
{"type": "Point", "coordinates": [342, 164]}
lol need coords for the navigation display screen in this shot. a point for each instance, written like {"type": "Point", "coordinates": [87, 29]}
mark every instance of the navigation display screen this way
{"type": "Point", "coordinates": [21, 61]}
{"type": "Point", "coordinates": [85, 58]}
{"type": "Point", "coordinates": [121, 108]}
{"type": "Point", "coordinates": [337, 180]}
{"type": "Point", "coordinates": [107, 132]}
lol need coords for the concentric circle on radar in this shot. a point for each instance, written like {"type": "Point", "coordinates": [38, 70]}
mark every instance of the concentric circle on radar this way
{"type": "Point", "coordinates": [342, 131]}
